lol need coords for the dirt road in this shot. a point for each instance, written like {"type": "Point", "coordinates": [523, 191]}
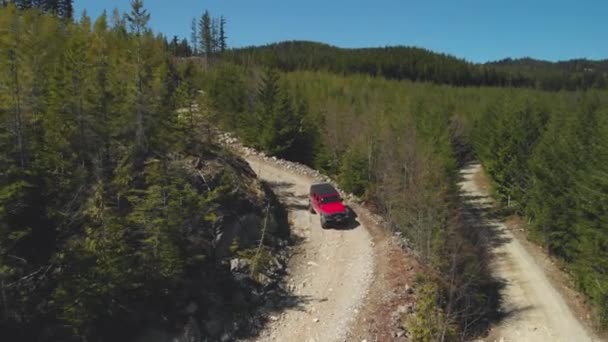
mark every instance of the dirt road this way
{"type": "Point", "coordinates": [534, 310]}
{"type": "Point", "coordinates": [331, 273]}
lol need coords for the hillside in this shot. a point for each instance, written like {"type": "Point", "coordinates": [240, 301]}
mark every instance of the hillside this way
{"type": "Point", "coordinates": [118, 213]}
{"type": "Point", "coordinates": [417, 64]}
{"type": "Point", "coordinates": [571, 74]}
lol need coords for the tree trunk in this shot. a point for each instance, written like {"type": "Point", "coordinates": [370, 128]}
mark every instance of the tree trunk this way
{"type": "Point", "coordinates": [18, 118]}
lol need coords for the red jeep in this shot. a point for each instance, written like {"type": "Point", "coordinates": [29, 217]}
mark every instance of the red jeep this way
{"type": "Point", "coordinates": [325, 200]}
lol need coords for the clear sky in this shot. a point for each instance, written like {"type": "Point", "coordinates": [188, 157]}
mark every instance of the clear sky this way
{"type": "Point", "coordinates": [477, 30]}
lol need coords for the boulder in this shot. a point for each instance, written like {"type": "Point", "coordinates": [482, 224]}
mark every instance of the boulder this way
{"type": "Point", "coordinates": [239, 265]}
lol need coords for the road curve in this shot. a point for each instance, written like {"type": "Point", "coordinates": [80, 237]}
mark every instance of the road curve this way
{"type": "Point", "coordinates": [534, 309]}
{"type": "Point", "coordinates": [331, 272]}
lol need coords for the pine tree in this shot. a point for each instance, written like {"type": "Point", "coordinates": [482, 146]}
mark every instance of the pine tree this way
{"type": "Point", "coordinates": [215, 36]}
{"type": "Point", "coordinates": [205, 33]}
{"type": "Point", "coordinates": [13, 63]}
{"type": "Point", "coordinates": [138, 17]}
{"type": "Point", "coordinates": [65, 9]}
{"type": "Point", "coordinates": [184, 49]}
{"type": "Point", "coordinates": [172, 46]}
{"type": "Point", "coordinates": [194, 37]}
{"type": "Point", "coordinates": [222, 34]}
{"type": "Point", "coordinates": [138, 20]}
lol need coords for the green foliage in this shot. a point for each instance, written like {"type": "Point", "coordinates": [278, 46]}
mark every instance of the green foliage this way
{"type": "Point", "coordinates": [354, 172]}
{"type": "Point", "coordinates": [229, 93]}
{"type": "Point", "coordinates": [260, 259]}
{"type": "Point", "coordinates": [97, 201]}
{"type": "Point", "coordinates": [416, 64]}
{"type": "Point", "coordinates": [277, 122]}
{"type": "Point", "coordinates": [429, 323]}
{"type": "Point", "coordinates": [546, 156]}
{"type": "Point", "coordinates": [506, 137]}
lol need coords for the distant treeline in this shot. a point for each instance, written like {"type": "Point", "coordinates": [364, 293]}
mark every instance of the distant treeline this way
{"type": "Point", "coordinates": [62, 8]}
{"type": "Point", "coordinates": [418, 64]}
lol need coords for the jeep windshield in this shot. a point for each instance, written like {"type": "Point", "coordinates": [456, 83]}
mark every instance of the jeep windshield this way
{"type": "Point", "coordinates": [330, 199]}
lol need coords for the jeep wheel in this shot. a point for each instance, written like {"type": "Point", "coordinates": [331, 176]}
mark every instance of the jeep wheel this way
{"type": "Point", "coordinates": [324, 224]}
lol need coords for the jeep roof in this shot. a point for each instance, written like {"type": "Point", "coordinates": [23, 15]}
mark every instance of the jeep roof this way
{"type": "Point", "coordinates": [323, 189]}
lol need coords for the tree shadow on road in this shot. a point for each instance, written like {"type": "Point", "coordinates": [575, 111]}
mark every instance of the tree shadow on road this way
{"type": "Point", "coordinates": [289, 198]}
{"type": "Point", "coordinates": [485, 229]}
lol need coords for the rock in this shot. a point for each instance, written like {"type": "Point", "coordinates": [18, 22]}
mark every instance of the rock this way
{"type": "Point", "coordinates": [274, 318]}
{"type": "Point", "coordinates": [401, 309]}
{"type": "Point", "coordinates": [214, 328]}
{"type": "Point", "coordinates": [408, 289]}
{"type": "Point", "coordinates": [264, 279]}
{"type": "Point", "coordinates": [278, 264]}
{"type": "Point", "coordinates": [239, 265]}
{"type": "Point", "coordinates": [316, 320]}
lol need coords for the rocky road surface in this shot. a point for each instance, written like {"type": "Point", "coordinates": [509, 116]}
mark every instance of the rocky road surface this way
{"type": "Point", "coordinates": [331, 272]}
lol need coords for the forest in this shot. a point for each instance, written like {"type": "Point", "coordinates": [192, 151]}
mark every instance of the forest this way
{"type": "Point", "coordinates": [106, 224]}
{"type": "Point", "coordinates": [94, 198]}
{"type": "Point", "coordinates": [417, 64]}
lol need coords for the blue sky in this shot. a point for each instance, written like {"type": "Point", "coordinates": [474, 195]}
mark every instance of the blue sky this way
{"type": "Point", "coordinates": [477, 30]}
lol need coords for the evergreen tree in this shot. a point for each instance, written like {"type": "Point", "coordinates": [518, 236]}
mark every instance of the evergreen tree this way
{"type": "Point", "coordinates": [184, 49]}
{"type": "Point", "coordinates": [173, 45]}
{"type": "Point", "coordinates": [138, 21]}
{"type": "Point", "coordinates": [222, 35]}
{"type": "Point", "coordinates": [65, 9]}
{"type": "Point", "coordinates": [206, 35]}
{"type": "Point", "coordinates": [138, 17]}
{"type": "Point", "coordinates": [194, 37]}
{"type": "Point", "coordinates": [215, 40]}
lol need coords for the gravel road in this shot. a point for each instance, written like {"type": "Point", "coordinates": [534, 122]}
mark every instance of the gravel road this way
{"type": "Point", "coordinates": [534, 309]}
{"type": "Point", "coordinates": [329, 275]}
